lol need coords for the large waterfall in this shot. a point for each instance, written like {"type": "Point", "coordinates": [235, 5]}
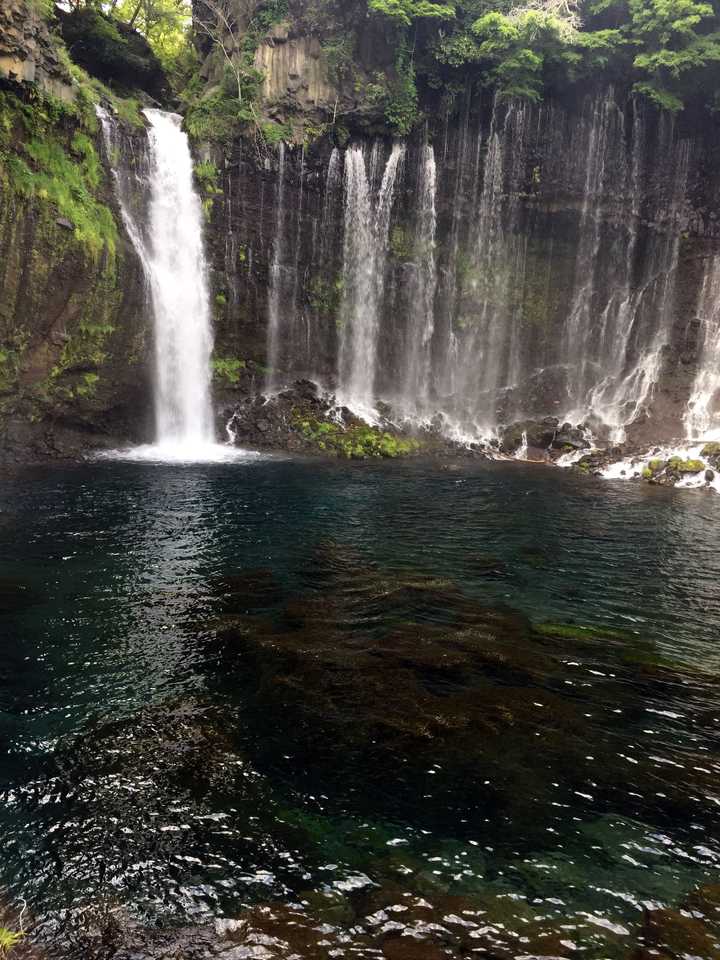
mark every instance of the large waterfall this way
{"type": "Point", "coordinates": [520, 264]}
{"type": "Point", "coordinates": [165, 225]}
{"type": "Point", "coordinates": [177, 273]}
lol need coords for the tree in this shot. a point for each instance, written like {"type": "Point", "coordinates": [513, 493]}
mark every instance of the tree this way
{"type": "Point", "coordinates": [406, 12]}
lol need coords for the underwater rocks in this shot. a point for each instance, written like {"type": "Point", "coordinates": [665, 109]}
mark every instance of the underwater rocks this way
{"type": "Point", "coordinates": [391, 923]}
{"type": "Point", "coordinates": [377, 677]}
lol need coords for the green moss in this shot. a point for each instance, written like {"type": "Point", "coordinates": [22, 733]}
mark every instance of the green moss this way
{"type": "Point", "coordinates": [710, 450]}
{"type": "Point", "coordinates": [678, 465]}
{"type": "Point", "coordinates": [220, 299]}
{"type": "Point", "coordinates": [47, 158]}
{"type": "Point", "coordinates": [325, 296]}
{"type": "Point", "coordinates": [357, 442]}
{"type": "Point", "coordinates": [401, 243]}
{"type": "Point", "coordinates": [228, 369]}
{"type": "Point", "coordinates": [656, 465]}
{"type": "Point", "coordinates": [86, 388]}
{"type": "Point", "coordinates": [647, 473]}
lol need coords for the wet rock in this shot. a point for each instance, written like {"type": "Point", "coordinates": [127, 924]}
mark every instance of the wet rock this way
{"type": "Point", "coordinates": [539, 434]}
{"type": "Point", "coordinates": [569, 438]}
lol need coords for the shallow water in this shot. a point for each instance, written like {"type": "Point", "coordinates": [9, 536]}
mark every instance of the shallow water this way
{"type": "Point", "coordinates": [353, 691]}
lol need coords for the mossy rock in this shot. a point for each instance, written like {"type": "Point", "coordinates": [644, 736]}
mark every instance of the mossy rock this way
{"type": "Point", "coordinates": [710, 450]}
{"type": "Point", "coordinates": [678, 465]}
{"type": "Point", "coordinates": [357, 441]}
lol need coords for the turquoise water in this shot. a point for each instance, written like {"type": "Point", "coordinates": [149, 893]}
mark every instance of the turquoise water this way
{"type": "Point", "coordinates": [487, 693]}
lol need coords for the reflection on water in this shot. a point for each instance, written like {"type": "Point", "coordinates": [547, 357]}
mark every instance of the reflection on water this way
{"type": "Point", "coordinates": [367, 710]}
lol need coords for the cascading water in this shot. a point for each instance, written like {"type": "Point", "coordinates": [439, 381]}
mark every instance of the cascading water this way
{"type": "Point", "coordinates": [488, 319]}
{"type": "Point", "coordinates": [702, 420]}
{"type": "Point", "coordinates": [275, 290]}
{"type": "Point", "coordinates": [416, 376]}
{"type": "Point", "coordinates": [170, 246]}
{"type": "Point", "coordinates": [177, 271]}
{"type": "Point", "coordinates": [367, 223]}
{"type": "Point", "coordinates": [522, 267]}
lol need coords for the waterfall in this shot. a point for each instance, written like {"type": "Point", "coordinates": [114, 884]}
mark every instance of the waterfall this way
{"type": "Point", "coordinates": [488, 317]}
{"type": "Point", "coordinates": [702, 420]}
{"type": "Point", "coordinates": [367, 224]}
{"type": "Point", "coordinates": [176, 266]}
{"type": "Point", "coordinates": [415, 389]}
{"type": "Point", "coordinates": [276, 276]}
{"type": "Point", "coordinates": [596, 152]}
{"type": "Point", "coordinates": [169, 242]}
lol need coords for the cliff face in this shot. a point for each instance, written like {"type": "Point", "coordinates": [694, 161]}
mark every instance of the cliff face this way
{"type": "Point", "coordinates": [554, 266]}
{"type": "Point", "coordinates": [73, 344]}
{"type": "Point", "coordinates": [28, 52]}
{"type": "Point", "coordinates": [72, 337]}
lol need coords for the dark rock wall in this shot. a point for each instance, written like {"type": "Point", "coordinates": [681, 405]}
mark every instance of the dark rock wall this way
{"type": "Point", "coordinates": [653, 211]}
{"type": "Point", "coordinates": [74, 340]}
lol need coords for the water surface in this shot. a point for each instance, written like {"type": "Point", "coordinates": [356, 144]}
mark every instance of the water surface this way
{"type": "Point", "coordinates": [478, 705]}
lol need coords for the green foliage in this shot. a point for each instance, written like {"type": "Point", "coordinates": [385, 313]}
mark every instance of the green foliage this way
{"type": "Point", "coordinates": [667, 47]}
{"type": "Point", "coordinates": [214, 117]}
{"type": "Point", "coordinates": [228, 369]}
{"type": "Point", "coordinates": [8, 940]}
{"type": "Point", "coordinates": [401, 105]}
{"type": "Point", "coordinates": [405, 12]}
{"type": "Point", "coordinates": [40, 160]}
{"type": "Point", "coordinates": [207, 176]}
{"type": "Point", "coordinates": [675, 41]}
{"type": "Point", "coordinates": [274, 133]}
{"type": "Point", "coordinates": [356, 442]}
{"type": "Point", "coordinates": [165, 24]}
{"type": "Point", "coordinates": [339, 51]}
{"type": "Point", "coordinates": [325, 296]}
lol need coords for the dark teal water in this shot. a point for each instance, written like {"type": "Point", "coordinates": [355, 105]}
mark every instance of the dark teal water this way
{"type": "Point", "coordinates": [488, 694]}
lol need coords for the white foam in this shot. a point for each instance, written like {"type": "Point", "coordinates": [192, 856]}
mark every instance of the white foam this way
{"type": "Point", "coordinates": [180, 453]}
